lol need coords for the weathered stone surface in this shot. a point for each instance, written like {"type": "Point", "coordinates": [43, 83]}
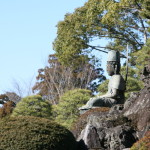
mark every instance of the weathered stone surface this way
{"type": "Point", "coordinates": [90, 137]}
{"type": "Point", "coordinates": [122, 125]}
{"type": "Point", "coordinates": [108, 131]}
{"type": "Point", "coordinates": [137, 107]}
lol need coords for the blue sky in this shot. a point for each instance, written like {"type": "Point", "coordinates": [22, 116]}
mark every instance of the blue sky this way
{"type": "Point", "coordinates": [27, 30]}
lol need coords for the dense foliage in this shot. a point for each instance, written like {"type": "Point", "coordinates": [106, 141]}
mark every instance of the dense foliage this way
{"type": "Point", "coordinates": [67, 109]}
{"type": "Point", "coordinates": [33, 106]}
{"type": "Point", "coordinates": [117, 21]}
{"type": "Point", "coordinates": [103, 88]}
{"type": "Point", "coordinates": [134, 83]}
{"type": "Point", "coordinates": [143, 56]}
{"type": "Point", "coordinates": [32, 133]}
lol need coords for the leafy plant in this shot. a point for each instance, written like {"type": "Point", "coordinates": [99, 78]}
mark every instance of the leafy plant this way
{"type": "Point", "coordinates": [120, 22]}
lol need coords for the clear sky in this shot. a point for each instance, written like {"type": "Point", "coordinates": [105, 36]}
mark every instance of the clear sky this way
{"type": "Point", "coordinates": [27, 30]}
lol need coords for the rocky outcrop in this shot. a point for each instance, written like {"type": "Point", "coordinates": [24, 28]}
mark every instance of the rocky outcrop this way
{"type": "Point", "coordinates": [117, 128]}
{"type": "Point", "coordinates": [108, 130]}
{"type": "Point", "coordinates": [137, 107]}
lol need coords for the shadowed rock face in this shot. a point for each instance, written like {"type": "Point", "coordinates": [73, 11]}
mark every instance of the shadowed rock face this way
{"type": "Point", "coordinates": [108, 131]}
{"type": "Point", "coordinates": [137, 107]}
{"type": "Point", "coordinates": [122, 125]}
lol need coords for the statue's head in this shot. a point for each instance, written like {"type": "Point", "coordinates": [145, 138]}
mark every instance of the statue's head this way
{"type": "Point", "coordinates": [113, 62]}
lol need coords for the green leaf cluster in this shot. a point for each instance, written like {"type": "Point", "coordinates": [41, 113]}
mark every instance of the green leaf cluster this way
{"type": "Point", "coordinates": [34, 133]}
{"type": "Point", "coordinates": [67, 110]}
{"type": "Point", "coordinates": [133, 85]}
{"type": "Point", "coordinates": [33, 106]}
{"type": "Point", "coordinates": [119, 22]}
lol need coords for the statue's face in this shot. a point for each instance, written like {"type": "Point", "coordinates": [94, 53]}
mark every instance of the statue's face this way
{"type": "Point", "coordinates": [110, 69]}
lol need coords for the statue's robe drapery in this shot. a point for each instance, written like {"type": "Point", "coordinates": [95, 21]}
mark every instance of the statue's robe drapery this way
{"type": "Point", "coordinates": [116, 83]}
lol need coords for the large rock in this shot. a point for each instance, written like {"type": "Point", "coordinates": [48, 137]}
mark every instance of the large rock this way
{"type": "Point", "coordinates": [137, 107]}
{"type": "Point", "coordinates": [108, 131]}
{"type": "Point", "coordinates": [119, 127]}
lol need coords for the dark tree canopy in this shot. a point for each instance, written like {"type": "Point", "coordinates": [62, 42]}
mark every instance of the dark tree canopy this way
{"type": "Point", "coordinates": [142, 57]}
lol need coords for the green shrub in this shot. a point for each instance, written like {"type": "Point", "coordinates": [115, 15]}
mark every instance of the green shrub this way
{"type": "Point", "coordinates": [34, 133]}
{"type": "Point", "coordinates": [33, 106]}
{"type": "Point", "coordinates": [67, 109]}
{"type": "Point", "coordinates": [133, 85]}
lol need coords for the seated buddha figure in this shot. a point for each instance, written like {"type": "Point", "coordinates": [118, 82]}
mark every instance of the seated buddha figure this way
{"type": "Point", "coordinates": [116, 85]}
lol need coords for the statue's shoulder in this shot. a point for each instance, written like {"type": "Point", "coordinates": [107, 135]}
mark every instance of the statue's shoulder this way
{"type": "Point", "coordinates": [117, 82]}
{"type": "Point", "coordinates": [117, 77]}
